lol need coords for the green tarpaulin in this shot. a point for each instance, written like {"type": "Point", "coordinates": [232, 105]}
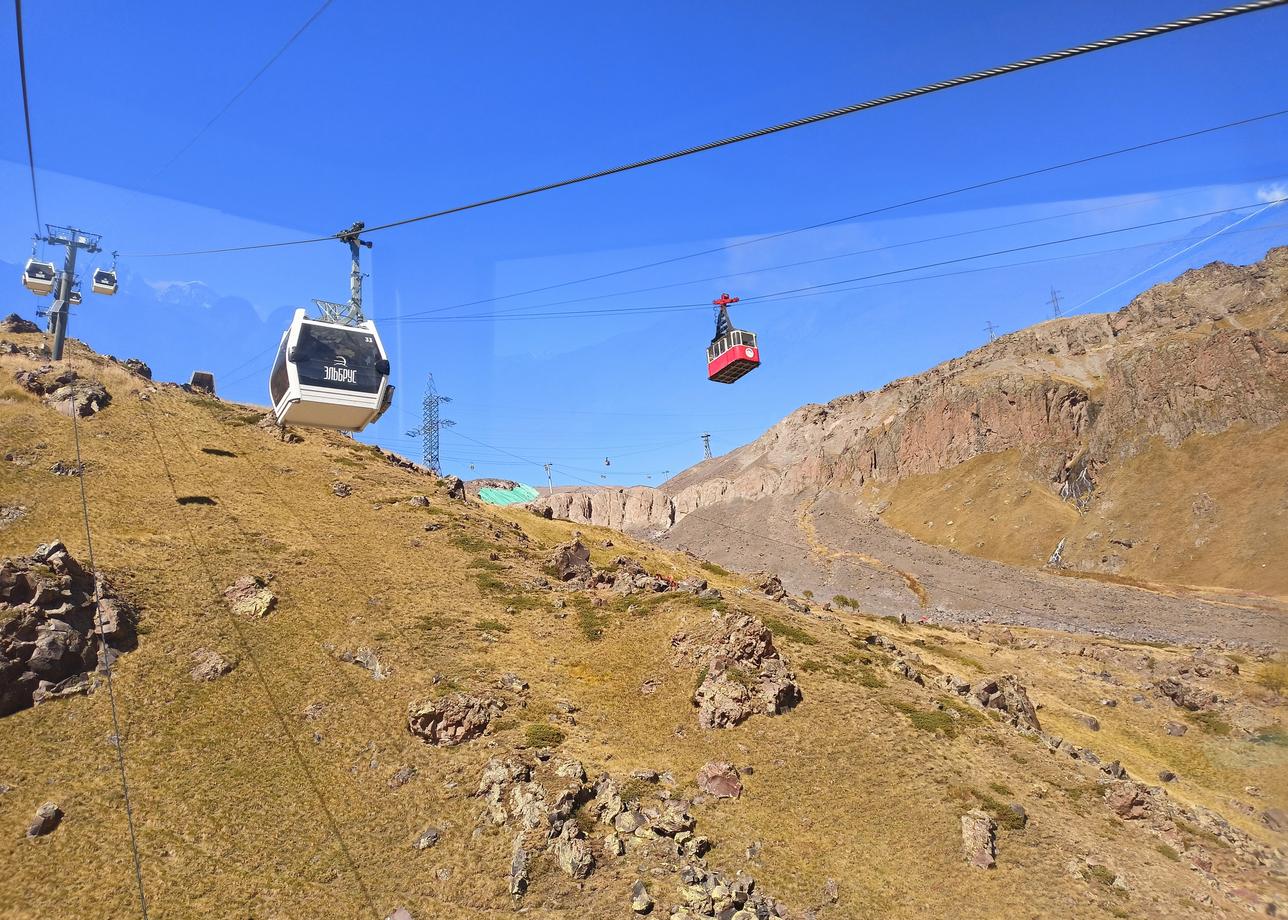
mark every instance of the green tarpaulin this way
{"type": "Point", "coordinates": [516, 496]}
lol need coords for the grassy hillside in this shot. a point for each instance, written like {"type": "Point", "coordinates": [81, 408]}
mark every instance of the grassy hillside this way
{"type": "Point", "coordinates": [268, 793]}
{"type": "Point", "coordinates": [1202, 516]}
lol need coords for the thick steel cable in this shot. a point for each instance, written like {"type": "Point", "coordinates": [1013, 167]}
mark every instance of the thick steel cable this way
{"type": "Point", "coordinates": [975, 77]}
{"type": "Point", "coordinates": [26, 114]}
{"type": "Point", "coordinates": [118, 740]}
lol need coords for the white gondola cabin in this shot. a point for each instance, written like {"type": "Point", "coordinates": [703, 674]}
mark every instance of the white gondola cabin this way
{"type": "Point", "coordinates": [38, 277]}
{"type": "Point", "coordinates": [104, 281]}
{"type": "Point", "coordinates": [328, 375]}
{"type": "Point", "coordinates": [74, 298]}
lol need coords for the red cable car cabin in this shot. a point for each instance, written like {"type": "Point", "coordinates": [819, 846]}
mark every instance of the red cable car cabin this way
{"type": "Point", "coordinates": [733, 353]}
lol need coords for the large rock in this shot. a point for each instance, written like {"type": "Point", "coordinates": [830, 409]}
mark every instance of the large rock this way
{"type": "Point", "coordinates": [979, 839]}
{"type": "Point", "coordinates": [720, 778]}
{"type": "Point", "coordinates": [48, 817]}
{"type": "Point", "coordinates": [209, 665]}
{"type": "Point", "coordinates": [250, 597]}
{"type": "Point", "coordinates": [452, 719]}
{"type": "Point", "coordinates": [1186, 696]}
{"type": "Point", "coordinates": [571, 561]}
{"type": "Point", "coordinates": [1006, 695]}
{"type": "Point", "coordinates": [55, 632]}
{"type": "Point", "coordinates": [638, 510]}
{"type": "Point", "coordinates": [744, 672]}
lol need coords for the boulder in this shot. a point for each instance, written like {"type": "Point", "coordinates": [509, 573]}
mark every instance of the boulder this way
{"type": "Point", "coordinates": [1187, 696]}
{"type": "Point", "coordinates": [209, 665]}
{"type": "Point", "coordinates": [979, 839]}
{"type": "Point", "coordinates": [744, 672]}
{"type": "Point", "coordinates": [571, 560]}
{"type": "Point", "coordinates": [65, 390]}
{"type": "Point", "coordinates": [341, 489]}
{"type": "Point", "coordinates": [249, 596]}
{"type": "Point", "coordinates": [572, 852]}
{"type": "Point", "coordinates": [56, 627]}
{"type": "Point", "coordinates": [1127, 800]}
{"type": "Point", "coordinates": [455, 487]}
{"type": "Point", "coordinates": [427, 838]}
{"type": "Point", "coordinates": [452, 719]}
{"type": "Point", "coordinates": [366, 659]}
{"type": "Point", "coordinates": [1176, 729]}
{"type": "Point", "coordinates": [1007, 695]}
{"type": "Point", "coordinates": [47, 818]}
{"type": "Point", "coordinates": [641, 900]}
{"type": "Point", "coordinates": [720, 778]}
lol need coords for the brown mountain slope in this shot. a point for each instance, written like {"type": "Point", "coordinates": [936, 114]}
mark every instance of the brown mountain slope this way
{"type": "Point", "coordinates": [1150, 440]}
{"type": "Point", "coordinates": [291, 786]}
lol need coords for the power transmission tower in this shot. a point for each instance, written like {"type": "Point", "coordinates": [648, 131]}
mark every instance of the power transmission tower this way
{"type": "Point", "coordinates": [992, 331]}
{"type": "Point", "coordinates": [706, 446]}
{"type": "Point", "coordinates": [348, 314]}
{"type": "Point", "coordinates": [550, 480]}
{"type": "Point", "coordinates": [430, 425]}
{"type": "Point", "coordinates": [1054, 303]}
{"type": "Point", "coordinates": [73, 240]}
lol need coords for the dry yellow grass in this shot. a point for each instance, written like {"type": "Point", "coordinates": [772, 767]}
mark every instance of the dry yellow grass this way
{"type": "Point", "coordinates": [1209, 516]}
{"type": "Point", "coordinates": [243, 811]}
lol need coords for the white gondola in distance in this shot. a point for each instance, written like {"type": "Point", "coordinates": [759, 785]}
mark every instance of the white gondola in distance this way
{"type": "Point", "coordinates": [328, 375]}
{"type": "Point", "coordinates": [104, 281]}
{"type": "Point", "coordinates": [38, 277]}
{"type": "Point", "coordinates": [74, 298]}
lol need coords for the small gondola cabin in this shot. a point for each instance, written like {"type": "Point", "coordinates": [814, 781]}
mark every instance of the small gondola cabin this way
{"type": "Point", "coordinates": [733, 353]}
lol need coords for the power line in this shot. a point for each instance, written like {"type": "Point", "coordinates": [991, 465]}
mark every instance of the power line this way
{"type": "Point", "coordinates": [1178, 254]}
{"type": "Point", "coordinates": [259, 73]}
{"type": "Point", "coordinates": [926, 89]}
{"type": "Point", "coordinates": [26, 113]}
{"type": "Point", "coordinates": [824, 287]}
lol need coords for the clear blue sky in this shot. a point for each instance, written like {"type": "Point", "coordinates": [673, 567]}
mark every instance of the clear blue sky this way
{"type": "Point", "coordinates": [381, 111]}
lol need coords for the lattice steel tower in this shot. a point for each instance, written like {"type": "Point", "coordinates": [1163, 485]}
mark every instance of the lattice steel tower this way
{"type": "Point", "coordinates": [430, 425]}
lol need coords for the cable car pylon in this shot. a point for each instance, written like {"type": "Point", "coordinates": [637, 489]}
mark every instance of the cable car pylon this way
{"type": "Point", "coordinates": [41, 278]}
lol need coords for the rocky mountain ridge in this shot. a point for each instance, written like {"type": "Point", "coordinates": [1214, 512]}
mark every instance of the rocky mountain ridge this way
{"type": "Point", "coordinates": [1068, 399]}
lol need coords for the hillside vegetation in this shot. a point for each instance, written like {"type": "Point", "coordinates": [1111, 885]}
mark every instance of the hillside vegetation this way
{"type": "Point", "coordinates": [287, 782]}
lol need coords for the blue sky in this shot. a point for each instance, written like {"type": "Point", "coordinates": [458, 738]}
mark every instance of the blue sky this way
{"type": "Point", "coordinates": [384, 111]}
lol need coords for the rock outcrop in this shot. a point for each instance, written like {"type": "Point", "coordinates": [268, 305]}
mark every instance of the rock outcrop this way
{"type": "Point", "coordinates": [1068, 398]}
{"type": "Point", "coordinates": [742, 672]}
{"type": "Point", "coordinates": [452, 719]}
{"type": "Point", "coordinates": [16, 324]}
{"type": "Point", "coordinates": [55, 634]}
{"type": "Point", "coordinates": [64, 390]}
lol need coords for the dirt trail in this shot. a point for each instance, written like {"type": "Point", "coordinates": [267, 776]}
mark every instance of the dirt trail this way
{"type": "Point", "coordinates": [810, 532]}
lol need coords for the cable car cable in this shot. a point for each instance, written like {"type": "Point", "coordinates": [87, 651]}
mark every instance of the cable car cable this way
{"type": "Point", "coordinates": [256, 666]}
{"type": "Point", "coordinates": [849, 217]}
{"type": "Point", "coordinates": [118, 740]}
{"type": "Point", "coordinates": [828, 258]}
{"type": "Point", "coordinates": [926, 89]}
{"type": "Point", "coordinates": [770, 297]}
{"type": "Point", "coordinates": [259, 73]}
{"type": "Point", "coordinates": [26, 115]}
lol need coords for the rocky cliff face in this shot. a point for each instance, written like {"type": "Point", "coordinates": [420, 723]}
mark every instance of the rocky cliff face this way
{"type": "Point", "coordinates": [1071, 396]}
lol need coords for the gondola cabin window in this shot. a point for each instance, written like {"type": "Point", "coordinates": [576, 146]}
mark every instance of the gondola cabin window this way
{"type": "Point", "coordinates": [338, 358]}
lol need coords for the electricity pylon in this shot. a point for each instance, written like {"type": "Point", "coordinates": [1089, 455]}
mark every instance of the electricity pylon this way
{"type": "Point", "coordinates": [430, 425]}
